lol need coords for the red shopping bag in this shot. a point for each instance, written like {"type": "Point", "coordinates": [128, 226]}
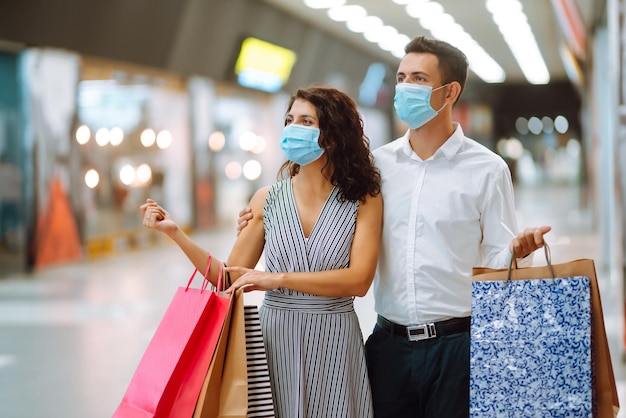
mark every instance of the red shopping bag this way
{"type": "Point", "coordinates": [171, 372]}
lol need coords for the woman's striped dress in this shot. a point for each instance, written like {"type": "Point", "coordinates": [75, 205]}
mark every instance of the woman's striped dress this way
{"type": "Point", "coordinates": [314, 344]}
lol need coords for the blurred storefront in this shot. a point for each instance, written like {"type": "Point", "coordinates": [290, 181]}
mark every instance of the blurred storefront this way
{"type": "Point", "coordinates": [132, 138]}
{"type": "Point", "coordinates": [12, 168]}
{"type": "Point", "coordinates": [94, 138]}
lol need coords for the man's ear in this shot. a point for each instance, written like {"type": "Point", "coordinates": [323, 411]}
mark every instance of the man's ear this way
{"type": "Point", "coordinates": [454, 91]}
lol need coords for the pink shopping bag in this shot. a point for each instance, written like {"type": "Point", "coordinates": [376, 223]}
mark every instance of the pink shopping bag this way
{"type": "Point", "coordinates": [169, 377]}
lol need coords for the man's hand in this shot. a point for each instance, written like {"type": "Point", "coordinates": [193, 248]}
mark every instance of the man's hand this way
{"type": "Point", "coordinates": [244, 216]}
{"type": "Point", "coordinates": [528, 241]}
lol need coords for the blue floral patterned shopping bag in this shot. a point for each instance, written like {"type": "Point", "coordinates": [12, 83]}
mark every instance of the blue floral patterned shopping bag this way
{"type": "Point", "coordinates": [538, 345]}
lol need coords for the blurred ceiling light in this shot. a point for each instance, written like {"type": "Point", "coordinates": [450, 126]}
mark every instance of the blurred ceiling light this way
{"type": "Point", "coordinates": [233, 170]}
{"type": "Point", "coordinates": [481, 62]}
{"type": "Point", "coordinates": [548, 124]}
{"type": "Point", "coordinates": [391, 43]}
{"type": "Point", "coordinates": [389, 37]}
{"type": "Point", "coordinates": [164, 139]}
{"type": "Point", "coordinates": [432, 17]}
{"type": "Point", "coordinates": [83, 134]}
{"type": "Point", "coordinates": [102, 136]}
{"type": "Point", "coordinates": [116, 136]}
{"type": "Point", "coordinates": [432, 22]}
{"type": "Point", "coordinates": [405, 2]}
{"type": "Point", "coordinates": [92, 178]}
{"type": "Point", "coordinates": [148, 137]}
{"type": "Point", "coordinates": [260, 145]}
{"type": "Point", "coordinates": [521, 125]}
{"type": "Point", "coordinates": [345, 13]}
{"type": "Point", "coordinates": [442, 26]}
{"type": "Point", "coordinates": [360, 25]}
{"type": "Point", "coordinates": [247, 140]}
{"type": "Point", "coordinates": [534, 125]}
{"type": "Point", "coordinates": [421, 9]}
{"type": "Point", "coordinates": [127, 174]}
{"type": "Point", "coordinates": [380, 34]}
{"type": "Point", "coordinates": [217, 140]}
{"type": "Point", "coordinates": [400, 43]}
{"type": "Point", "coordinates": [323, 4]}
{"type": "Point", "coordinates": [509, 16]}
{"type": "Point", "coordinates": [561, 124]}
{"type": "Point", "coordinates": [144, 173]}
{"type": "Point", "coordinates": [252, 169]}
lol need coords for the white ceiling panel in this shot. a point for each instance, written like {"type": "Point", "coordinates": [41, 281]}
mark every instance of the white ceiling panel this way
{"type": "Point", "coordinates": [472, 15]}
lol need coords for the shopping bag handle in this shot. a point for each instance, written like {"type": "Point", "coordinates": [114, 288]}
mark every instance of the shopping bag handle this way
{"type": "Point", "coordinates": [205, 282]}
{"type": "Point", "coordinates": [220, 275]}
{"type": "Point", "coordinates": [513, 263]}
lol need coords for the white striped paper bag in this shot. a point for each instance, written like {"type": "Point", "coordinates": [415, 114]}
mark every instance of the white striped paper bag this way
{"type": "Point", "coordinates": [260, 399]}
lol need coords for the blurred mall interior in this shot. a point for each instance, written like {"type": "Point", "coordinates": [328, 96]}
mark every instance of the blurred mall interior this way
{"type": "Point", "coordinates": [106, 103]}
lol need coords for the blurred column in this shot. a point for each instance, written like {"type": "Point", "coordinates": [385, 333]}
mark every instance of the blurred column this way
{"type": "Point", "coordinates": [615, 13]}
{"type": "Point", "coordinates": [12, 158]}
{"type": "Point", "coordinates": [604, 97]}
{"type": "Point", "coordinates": [621, 142]}
{"type": "Point", "coordinates": [202, 97]}
{"type": "Point", "coordinates": [49, 78]}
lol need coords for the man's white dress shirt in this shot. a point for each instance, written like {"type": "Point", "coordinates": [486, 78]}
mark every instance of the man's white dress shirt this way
{"type": "Point", "coordinates": [442, 216]}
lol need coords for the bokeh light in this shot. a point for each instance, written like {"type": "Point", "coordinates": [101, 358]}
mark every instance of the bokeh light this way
{"type": "Point", "coordinates": [127, 174]}
{"type": "Point", "coordinates": [252, 169]}
{"type": "Point", "coordinates": [102, 137]}
{"type": "Point", "coordinates": [217, 140]}
{"type": "Point", "coordinates": [144, 173]}
{"type": "Point", "coordinates": [164, 139]}
{"type": "Point", "coordinates": [92, 178]}
{"type": "Point", "coordinates": [148, 137]}
{"type": "Point", "coordinates": [83, 134]}
{"type": "Point", "coordinates": [116, 136]}
{"type": "Point", "coordinates": [233, 170]}
{"type": "Point", "coordinates": [247, 140]}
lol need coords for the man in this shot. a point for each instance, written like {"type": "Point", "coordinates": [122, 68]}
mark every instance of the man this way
{"type": "Point", "coordinates": [448, 206]}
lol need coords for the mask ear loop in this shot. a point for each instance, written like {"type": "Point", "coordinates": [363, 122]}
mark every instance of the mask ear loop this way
{"type": "Point", "coordinates": [442, 86]}
{"type": "Point", "coordinates": [446, 102]}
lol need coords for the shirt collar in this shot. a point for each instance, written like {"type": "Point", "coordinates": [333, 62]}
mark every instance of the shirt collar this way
{"type": "Point", "coordinates": [449, 148]}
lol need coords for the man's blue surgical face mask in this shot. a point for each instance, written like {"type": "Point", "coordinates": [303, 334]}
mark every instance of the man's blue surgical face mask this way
{"type": "Point", "coordinates": [300, 145]}
{"type": "Point", "coordinates": [412, 103]}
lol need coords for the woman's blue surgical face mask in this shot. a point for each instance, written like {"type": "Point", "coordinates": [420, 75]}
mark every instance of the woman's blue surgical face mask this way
{"type": "Point", "coordinates": [300, 144]}
{"type": "Point", "coordinates": [412, 103]}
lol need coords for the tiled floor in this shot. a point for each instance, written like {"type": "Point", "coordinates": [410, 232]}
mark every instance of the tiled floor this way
{"type": "Point", "coordinates": [71, 336]}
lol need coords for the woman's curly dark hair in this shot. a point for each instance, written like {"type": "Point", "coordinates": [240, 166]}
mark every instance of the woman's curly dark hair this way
{"type": "Point", "coordinates": [344, 142]}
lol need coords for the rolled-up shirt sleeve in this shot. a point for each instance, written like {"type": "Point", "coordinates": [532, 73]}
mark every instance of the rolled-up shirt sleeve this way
{"type": "Point", "coordinates": [499, 222]}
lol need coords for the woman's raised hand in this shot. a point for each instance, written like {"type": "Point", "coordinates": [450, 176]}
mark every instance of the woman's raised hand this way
{"type": "Point", "coordinates": [157, 218]}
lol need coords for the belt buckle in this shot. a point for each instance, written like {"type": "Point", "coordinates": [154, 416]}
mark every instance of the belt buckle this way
{"type": "Point", "coordinates": [421, 332]}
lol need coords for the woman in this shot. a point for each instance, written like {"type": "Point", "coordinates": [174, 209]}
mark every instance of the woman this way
{"type": "Point", "coordinates": [320, 229]}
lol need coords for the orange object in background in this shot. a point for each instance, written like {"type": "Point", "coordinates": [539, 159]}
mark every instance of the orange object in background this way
{"type": "Point", "coordinates": [57, 232]}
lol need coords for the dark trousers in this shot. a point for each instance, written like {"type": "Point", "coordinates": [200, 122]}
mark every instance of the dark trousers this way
{"type": "Point", "coordinates": [423, 379]}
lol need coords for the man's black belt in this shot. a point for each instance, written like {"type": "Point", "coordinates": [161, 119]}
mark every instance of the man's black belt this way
{"type": "Point", "coordinates": [426, 331]}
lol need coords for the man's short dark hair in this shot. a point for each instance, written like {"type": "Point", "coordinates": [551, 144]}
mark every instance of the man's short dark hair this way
{"type": "Point", "coordinates": [453, 63]}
